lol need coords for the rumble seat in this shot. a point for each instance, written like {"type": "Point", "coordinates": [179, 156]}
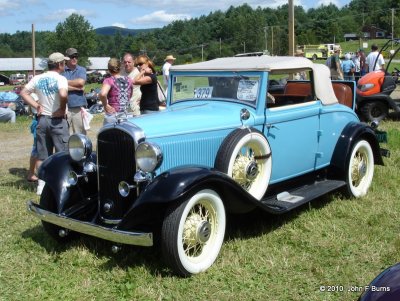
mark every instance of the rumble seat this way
{"type": "Point", "coordinates": [343, 94]}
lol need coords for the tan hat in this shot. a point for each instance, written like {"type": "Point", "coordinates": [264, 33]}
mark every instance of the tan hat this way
{"type": "Point", "coordinates": [71, 51]}
{"type": "Point", "coordinates": [57, 57]}
{"type": "Point", "coordinates": [169, 57]}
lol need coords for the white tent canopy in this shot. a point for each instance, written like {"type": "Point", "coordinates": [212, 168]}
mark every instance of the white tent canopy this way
{"type": "Point", "coordinates": [25, 64]}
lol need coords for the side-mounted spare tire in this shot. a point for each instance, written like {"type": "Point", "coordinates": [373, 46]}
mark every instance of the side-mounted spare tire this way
{"type": "Point", "coordinates": [245, 156]}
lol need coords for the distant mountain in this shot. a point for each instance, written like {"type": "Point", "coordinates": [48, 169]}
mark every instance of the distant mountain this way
{"type": "Point", "coordinates": [111, 30]}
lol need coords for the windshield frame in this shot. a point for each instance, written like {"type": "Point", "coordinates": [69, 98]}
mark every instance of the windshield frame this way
{"type": "Point", "coordinates": [246, 75]}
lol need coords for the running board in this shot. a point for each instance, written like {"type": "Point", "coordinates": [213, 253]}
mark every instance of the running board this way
{"type": "Point", "coordinates": [288, 200]}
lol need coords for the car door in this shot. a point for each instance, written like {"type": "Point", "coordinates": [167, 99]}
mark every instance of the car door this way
{"type": "Point", "coordinates": [292, 132]}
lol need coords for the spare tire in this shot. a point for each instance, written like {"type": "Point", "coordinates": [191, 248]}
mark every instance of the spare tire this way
{"type": "Point", "coordinates": [245, 155]}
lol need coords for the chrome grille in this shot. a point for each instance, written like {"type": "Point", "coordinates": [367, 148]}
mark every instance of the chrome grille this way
{"type": "Point", "coordinates": [116, 163]}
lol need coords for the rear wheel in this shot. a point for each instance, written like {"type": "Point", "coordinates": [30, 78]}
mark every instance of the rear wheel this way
{"type": "Point", "coordinates": [193, 233]}
{"type": "Point", "coordinates": [374, 110]}
{"type": "Point", "coordinates": [314, 57]}
{"type": "Point", "coordinates": [360, 169]}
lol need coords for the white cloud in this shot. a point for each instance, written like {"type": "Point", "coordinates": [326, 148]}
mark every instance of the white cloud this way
{"type": "Point", "coordinates": [159, 17]}
{"type": "Point", "coordinates": [119, 25]}
{"type": "Point", "coordinates": [7, 5]}
{"type": "Point", "coordinates": [65, 13]}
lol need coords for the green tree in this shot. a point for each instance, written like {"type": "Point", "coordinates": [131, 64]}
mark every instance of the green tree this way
{"type": "Point", "coordinates": [74, 32]}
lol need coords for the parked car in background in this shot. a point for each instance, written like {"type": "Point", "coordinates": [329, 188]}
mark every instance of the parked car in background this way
{"type": "Point", "coordinates": [17, 79]}
{"type": "Point", "coordinates": [237, 135]}
{"type": "Point", "coordinates": [95, 77]}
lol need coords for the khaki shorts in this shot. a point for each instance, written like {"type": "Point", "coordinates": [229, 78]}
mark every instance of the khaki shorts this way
{"type": "Point", "coordinates": [75, 121]}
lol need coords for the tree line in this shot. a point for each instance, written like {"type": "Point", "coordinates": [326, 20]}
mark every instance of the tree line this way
{"type": "Point", "coordinates": [220, 33]}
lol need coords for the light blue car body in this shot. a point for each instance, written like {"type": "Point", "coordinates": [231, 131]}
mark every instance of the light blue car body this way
{"type": "Point", "coordinates": [302, 138]}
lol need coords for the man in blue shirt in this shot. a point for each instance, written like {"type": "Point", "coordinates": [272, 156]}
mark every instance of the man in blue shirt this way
{"type": "Point", "coordinates": [76, 76]}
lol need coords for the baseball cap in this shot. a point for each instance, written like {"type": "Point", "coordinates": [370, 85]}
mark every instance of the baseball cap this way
{"type": "Point", "coordinates": [57, 57]}
{"type": "Point", "coordinates": [71, 51]}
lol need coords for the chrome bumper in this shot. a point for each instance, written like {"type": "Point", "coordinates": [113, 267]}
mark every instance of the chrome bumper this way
{"type": "Point", "coordinates": [124, 237]}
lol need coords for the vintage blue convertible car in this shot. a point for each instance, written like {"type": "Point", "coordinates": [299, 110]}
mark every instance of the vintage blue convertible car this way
{"type": "Point", "coordinates": [238, 134]}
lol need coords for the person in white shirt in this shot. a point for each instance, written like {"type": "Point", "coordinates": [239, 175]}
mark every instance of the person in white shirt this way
{"type": "Point", "coordinates": [372, 57]}
{"type": "Point", "coordinates": [130, 71]}
{"type": "Point", "coordinates": [52, 90]}
{"type": "Point", "coordinates": [169, 60]}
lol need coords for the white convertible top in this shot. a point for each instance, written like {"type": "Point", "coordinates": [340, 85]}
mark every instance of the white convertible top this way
{"type": "Point", "coordinates": [273, 64]}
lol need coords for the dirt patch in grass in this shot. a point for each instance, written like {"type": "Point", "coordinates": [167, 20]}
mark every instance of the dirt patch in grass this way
{"type": "Point", "coordinates": [16, 141]}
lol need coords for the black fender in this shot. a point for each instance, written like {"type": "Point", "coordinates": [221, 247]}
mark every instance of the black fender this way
{"type": "Point", "coordinates": [180, 183]}
{"type": "Point", "coordinates": [54, 171]}
{"type": "Point", "coordinates": [350, 135]}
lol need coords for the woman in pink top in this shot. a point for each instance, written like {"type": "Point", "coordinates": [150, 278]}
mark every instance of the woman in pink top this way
{"type": "Point", "coordinates": [115, 92]}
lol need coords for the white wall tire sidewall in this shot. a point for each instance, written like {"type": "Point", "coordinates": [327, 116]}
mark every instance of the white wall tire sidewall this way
{"type": "Point", "coordinates": [259, 187]}
{"type": "Point", "coordinates": [213, 247]}
{"type": "Point", "coordinates": [362, 189]}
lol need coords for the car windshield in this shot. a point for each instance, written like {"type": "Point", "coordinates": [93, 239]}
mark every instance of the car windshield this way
{"type": "Point", "coordinates": [235, 87]}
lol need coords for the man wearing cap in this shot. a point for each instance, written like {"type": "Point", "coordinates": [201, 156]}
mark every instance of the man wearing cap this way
{"type": "Point", "coordinates": [169, 60]}
{"type": "Point", "coordinates": [373, 56]}
{"type": "Point", "coordinates": [52, 90]}
{"type": "Point", "coordinates": [76, 76]}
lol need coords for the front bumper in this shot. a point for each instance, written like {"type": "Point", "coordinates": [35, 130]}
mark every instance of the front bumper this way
{"type": "Point", "coordinates": [110, 234]}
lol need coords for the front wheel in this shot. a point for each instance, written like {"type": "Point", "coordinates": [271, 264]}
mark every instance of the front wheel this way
{"type": "Point", "coordinates": [193, 232]}
{"type": "Point", "coordinates": [360, 169]}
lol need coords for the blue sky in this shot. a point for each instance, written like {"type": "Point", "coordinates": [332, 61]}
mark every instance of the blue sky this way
{"type": "Point", "coordinates": [19, 15]}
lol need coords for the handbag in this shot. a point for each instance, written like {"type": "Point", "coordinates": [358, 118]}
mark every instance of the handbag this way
{"type": "Point", "coordinates": [160, 92]}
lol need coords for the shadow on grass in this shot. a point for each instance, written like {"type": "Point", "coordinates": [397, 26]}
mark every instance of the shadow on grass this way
{"type": "Point", "coordinates": [128, 256]}
{"type": "Point", "coordinates": [22, 182]}
{"type": "Point", "coordinates": [259, 222]}
{"type": "Point", "coordinates": [241, 227]}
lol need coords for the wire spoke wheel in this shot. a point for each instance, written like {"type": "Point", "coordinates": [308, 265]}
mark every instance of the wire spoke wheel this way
{"type": "Point", "coordinates": [245, 156]}
{"type": "Point", "coordinates": [360, 169]}
{"type": "Point", "coordinates": [193, 233]}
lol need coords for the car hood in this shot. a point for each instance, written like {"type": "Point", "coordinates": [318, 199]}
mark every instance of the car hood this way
{"type": "Point", "coordinates": [191, 117]}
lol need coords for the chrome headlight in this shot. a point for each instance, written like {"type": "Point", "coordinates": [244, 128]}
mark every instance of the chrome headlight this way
{"type": "Point", "coordinates": [148, 156]}
{"type": "Point", "coordinates": [79, 147]}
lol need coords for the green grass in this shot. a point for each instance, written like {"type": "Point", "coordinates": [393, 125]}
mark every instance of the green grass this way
{"type": "Point", "coordinates": [332, 241]}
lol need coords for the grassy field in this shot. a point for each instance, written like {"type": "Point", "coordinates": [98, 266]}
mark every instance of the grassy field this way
{"type": "Point", "coordinates": [332, 241]}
